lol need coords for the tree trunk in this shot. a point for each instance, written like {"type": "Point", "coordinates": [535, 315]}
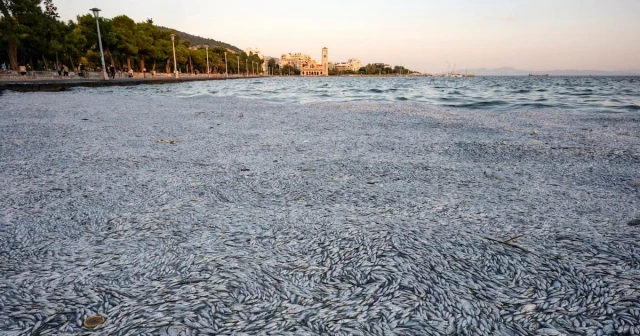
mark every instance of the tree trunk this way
{"type": "Point", "coordinates": [190, 64]}
{"type": "Point", "coordinates": [110, 58]}
{"type": "Point", "coordinates": [44, 61]}
{"type": "Point", "coordinates": [13, 54]}
{"type": "Point", "coordinates": [128, 63]}
{"type": "Point", "coordinates": [153, 67]}
{"type": "Point", "coordinates": [167, 67]}
{"type": "Point", "coordinates": [73, 66]}
{"type": "Point", "coordinates": [141, 63]}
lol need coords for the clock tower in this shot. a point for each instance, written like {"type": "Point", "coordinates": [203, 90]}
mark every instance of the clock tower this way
{"type": "Point", "coordinates": [325, 61]}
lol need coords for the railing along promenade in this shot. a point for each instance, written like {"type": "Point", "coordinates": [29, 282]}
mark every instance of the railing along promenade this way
{"type": "Point", "coordinates": [51, 81]}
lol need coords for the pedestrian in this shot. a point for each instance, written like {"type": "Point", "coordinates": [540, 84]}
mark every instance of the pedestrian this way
{"type": "Point", "coordinates": [23, 70]}
{"type": "Point", "coordinates": [59, 69]}
{"type": "Point", "coordinates": [65, 71]}
{"type": "Point", "coordinates": [82, 70]}
{"type": "Point", "coordinates": [4, 66]}
{"type": "Point", "coordinates": [112, 71]}
{"type": "Point", "coordinates": [144, 72]}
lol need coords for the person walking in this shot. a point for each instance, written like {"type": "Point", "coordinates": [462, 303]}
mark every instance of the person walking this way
{"type": "Point", "coordinates": [112, 71]}
{"type": "Point", "coordinates": [65, 71]}
{"type": "Point", "coordinates": [82, 74]}
{"type": "Point", "coordinates": [59, 69]}
{"type": "Point", "coordinates": [4, 67]}
{"type": "Point", "coordinates": [23, 70]}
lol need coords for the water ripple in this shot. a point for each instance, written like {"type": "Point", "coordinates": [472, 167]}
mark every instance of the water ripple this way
{"type": "Point", "coordinates": [593, 94]}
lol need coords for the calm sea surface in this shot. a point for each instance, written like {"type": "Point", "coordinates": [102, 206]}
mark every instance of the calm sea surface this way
{"type": "Point", "coordinates": [593, 94]}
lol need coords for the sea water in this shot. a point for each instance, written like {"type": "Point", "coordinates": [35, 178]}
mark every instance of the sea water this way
{"type": "Point", "coordinates": [592, 94]}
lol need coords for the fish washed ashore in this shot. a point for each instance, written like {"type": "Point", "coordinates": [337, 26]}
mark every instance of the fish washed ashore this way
{"type": "Point", "coordinates": [209, 215]}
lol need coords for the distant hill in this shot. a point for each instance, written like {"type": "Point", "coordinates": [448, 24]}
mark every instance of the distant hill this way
{"type": "Point", "coordinates": [198, 40]}
{"type": "Point", "coordinates": [507, 71]}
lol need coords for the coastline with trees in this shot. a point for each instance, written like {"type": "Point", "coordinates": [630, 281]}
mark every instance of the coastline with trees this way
{"type": "Point", "coordinates": [33, 36]}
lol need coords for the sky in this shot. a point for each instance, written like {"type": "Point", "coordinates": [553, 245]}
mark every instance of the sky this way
{"type": "Point", "coordinates": [423, 35]}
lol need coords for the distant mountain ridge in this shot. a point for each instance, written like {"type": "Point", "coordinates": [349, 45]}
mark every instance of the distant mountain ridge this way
{"type": "Point", "coordinates": [508, 71]}
{"type": "Point", "coordinates": [198, 40]}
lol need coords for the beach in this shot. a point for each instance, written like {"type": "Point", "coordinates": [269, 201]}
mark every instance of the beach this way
{"type": "Point", "coordinates": [223, 215]}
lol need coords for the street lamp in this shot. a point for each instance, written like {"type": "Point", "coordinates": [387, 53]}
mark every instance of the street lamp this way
{"type": "Point", "coordinates": [208, 72]}
{"type": "Point", "coordinates": [96, 13]}
{"type": "Point", "coordinates": [226, 69]}
{"type": "Point", "coordinates": [238, 65]}
{"type": "Point", "coordinates": [175, 64]}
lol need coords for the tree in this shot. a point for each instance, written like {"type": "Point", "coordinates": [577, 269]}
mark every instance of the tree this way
{"type": "Point", "coordinates": [126, 43]}
{"type": "Point", "coordinates": [199, 58]}
{"type": "Point", "coordinates": [144, 41]}
{"type": "Point", "coordinates": [289, 69]}
{"type": "Point", "coordinates": [182, 55]}
{"type": "Point", "coordinates": [74, 43]}
{"type": "Point", "coordinates": [31, 34]}
{"type": "Point", "coordinates": [272, 64]}
{"type": "Point", "coordinates": [161, 45]}
{"type": "Point", "coordinates": [18, 18]}
{"type": "Point", "coordinates": [370, 69]}
{"type": "Point", "coordinates": [87, 25]}
{"type": "Point", "coordinates": [50, 10]}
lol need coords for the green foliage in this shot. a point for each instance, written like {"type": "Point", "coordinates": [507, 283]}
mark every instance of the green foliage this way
{"type": "Point", "coordinates": [370, 69]}
{"type": "Point", "coordinates": [124, 29]}
{"type": "Point", "coordinates": [20, 21]}
{"type": "Point", "coordinates": [201, 41]}
{"type": "Point", "coordinates": [289, 70]}
{"type": "Point", "coordinates": [31, 33]}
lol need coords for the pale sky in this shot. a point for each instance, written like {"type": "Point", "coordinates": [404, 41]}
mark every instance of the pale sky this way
{"type": "Point", "coordinates": [423, 35]}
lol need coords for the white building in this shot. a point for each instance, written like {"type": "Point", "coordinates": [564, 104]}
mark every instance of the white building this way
{"type": "Point", "coordinates": [353, 64]}
{"type": "Point", "coordinates": [256, 51]}
{"type": "Point", "coordinates": [296, 60]}
{"type": "Point", "coordinates": [253, 51]}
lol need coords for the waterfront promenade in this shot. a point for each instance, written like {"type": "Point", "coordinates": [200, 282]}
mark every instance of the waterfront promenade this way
{"type": "Point", "coordinates": [48, 82]}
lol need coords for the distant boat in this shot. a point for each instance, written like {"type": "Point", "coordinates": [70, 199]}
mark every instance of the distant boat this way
{"type": "Point", "coordinates": [540, 75]}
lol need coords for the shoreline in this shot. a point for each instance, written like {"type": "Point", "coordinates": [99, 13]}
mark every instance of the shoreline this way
{"type": "Point", "coordinates": [57, 85]}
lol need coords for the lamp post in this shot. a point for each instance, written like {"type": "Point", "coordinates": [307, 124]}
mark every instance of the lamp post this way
{"type": "Point", "coordinates": [96, 13]}
{"type": "Point", "coordinates": [238, 57]}
{"type": "Point", "coordinates": [175, 64]}
{"type": "Point", "coordinates": [226, 69]}
{"type": "Point", "coordinates": [208, 72]}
